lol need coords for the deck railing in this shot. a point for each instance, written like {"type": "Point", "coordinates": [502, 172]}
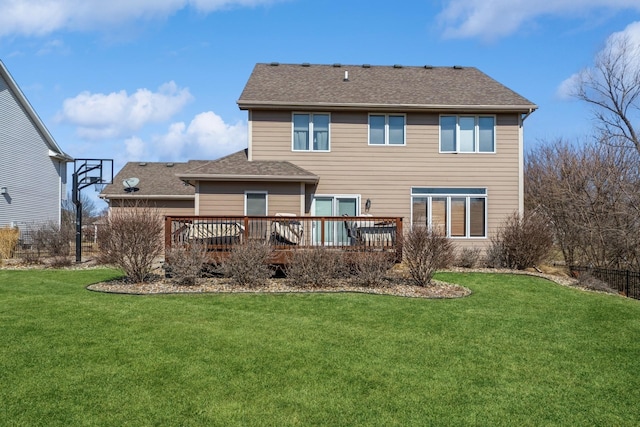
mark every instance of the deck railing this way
{"type": "Point", "coordinates": [286, 233]}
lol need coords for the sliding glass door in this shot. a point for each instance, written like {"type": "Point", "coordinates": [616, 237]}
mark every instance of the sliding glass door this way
{"type": "Point", "coordinates": [334, 231]}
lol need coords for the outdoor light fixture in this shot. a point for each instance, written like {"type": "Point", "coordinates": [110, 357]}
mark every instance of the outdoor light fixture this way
{"type": "Point", "coordinates": [3, 190]}
{"type": "Point", "coordinates": [367, 205]}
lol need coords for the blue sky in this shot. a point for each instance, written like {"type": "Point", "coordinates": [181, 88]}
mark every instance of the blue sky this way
{"type": "Point", "coordinates": [158, 80]}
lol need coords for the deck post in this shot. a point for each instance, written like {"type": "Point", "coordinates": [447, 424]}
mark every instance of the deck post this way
{"type": "Point", "coordinates": [399, 239]}
{"type": "Point", "coordinates": [167, 232]}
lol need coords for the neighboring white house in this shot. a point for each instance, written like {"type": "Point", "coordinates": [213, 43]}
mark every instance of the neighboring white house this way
{"type": "Point", "coordinates": [32, 166]}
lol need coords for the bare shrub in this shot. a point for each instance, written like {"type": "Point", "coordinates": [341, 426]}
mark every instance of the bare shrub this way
{"type": "Point", "coordinates": [31, 257]}
{"type": "Point", "coordinates": [248, 263]}
{"type": "Point", "coordinates": [588, 281]}
{"type": "Point", "coordinates": [52, 239]}
{"type": "Point", "coordinates": [61, 261]}
{"type": "Point", "coordinates": [369, 268]}
{"type": "Point", "coordinates": [426, 250]}
{"type": "Point", "coordinates": [132, 239]}
{"type": "Point", "coordinates": [315, 267]}
{"type": "Point", "coordinates": [9, 237]}
{"type": "Point", "coordinates": [522, 241]}
{"type": "Point", "coordinates": [185, 263]}
{"type": "Point", "coordinates": [468, 257]}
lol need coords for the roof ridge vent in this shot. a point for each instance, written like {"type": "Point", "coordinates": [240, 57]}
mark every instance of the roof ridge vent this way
{"type": "Point", "coordinates": [170, 165]}
{"type": "Point", "coordinates": [274, 64]}
{"type": "Point", "coordinates": [337, 65]}
{"type": "Point", "coordinates": [457, 67]}
{"type": "Point", "coordinates": [428, 67]}
{"type": "Point", "coordinates": [366, 65]}
{"type": "Point", "coordinates": [142, 164]}
{"type": "Point", "coordinates": [306, 64]}
{"type": "Point", "coordinates": [397, 66]}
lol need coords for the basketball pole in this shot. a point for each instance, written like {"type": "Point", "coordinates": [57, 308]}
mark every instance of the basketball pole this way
{"type": "Point", "coordinates": [81, 179]}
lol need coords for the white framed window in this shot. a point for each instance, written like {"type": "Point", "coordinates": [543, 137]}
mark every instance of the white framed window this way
{"type": "Point", "coordinates": [255, 203]}
{"type": "Point", "coordinates": [310, 132]}
{"type": "Point", "coordinates": [467, 134]}
{"type": "Point", "coordinates": [456, 212]}
{"type": "Point", "coordinates": [387, 129]}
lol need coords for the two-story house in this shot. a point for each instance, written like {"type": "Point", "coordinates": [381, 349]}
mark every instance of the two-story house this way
{"type": "Point", "coordinates": [441, 146]}
{"type": "Point", "coordinates": [33, 168]}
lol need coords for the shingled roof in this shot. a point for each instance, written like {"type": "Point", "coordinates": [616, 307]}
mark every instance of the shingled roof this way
{"type": "Point", "coordinates": [363, 86]}
{"type": "Point", "coordinates": [157, 181]}
{"type": "Point", "coordinates": [237, 167]}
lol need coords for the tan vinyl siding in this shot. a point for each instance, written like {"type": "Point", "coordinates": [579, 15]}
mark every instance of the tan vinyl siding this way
{"type": "Point", "coordinates": [227, 198]}
{"type": "Point", "coordinates": [385, 174]}
{"type": "Point", "coordinates": [164, 207]}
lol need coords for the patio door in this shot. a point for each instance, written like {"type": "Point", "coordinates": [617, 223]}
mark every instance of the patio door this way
{"type": "Point", "coordinates": [334, 231]}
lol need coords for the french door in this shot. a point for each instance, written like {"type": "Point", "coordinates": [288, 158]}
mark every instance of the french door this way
{"type": "Point", "coordinates": [334, 231]}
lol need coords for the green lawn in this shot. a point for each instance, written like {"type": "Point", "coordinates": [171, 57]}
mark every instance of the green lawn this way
{"type": "Point", "coordinates": [519, 351]}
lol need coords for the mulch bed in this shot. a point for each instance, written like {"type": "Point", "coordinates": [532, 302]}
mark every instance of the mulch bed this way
{"type": "Point", "coordinates": [392, 286]}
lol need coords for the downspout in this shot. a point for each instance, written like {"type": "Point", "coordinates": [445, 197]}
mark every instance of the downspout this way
{"type": "Point", "coordinates": [521, 161]}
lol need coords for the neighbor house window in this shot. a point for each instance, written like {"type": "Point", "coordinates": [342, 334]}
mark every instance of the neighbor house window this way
{"type": "Point", "coordinates": [386, 129]}
{"type": "Point", "coordinates": [310, 132]}
{"type": "Point", "coordinates": [456, 212]}
{"type": "Point", "coordinates": [255, 203]}
{"type": "Point", "coordinates": [467, 134]}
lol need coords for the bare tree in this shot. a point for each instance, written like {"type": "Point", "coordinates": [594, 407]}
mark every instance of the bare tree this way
{"type": "Point", "coordinates": [589, 193]}
{"type": "Point", "coordinates": [612, 88]}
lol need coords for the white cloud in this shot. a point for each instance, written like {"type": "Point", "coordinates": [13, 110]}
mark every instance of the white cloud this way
{"type": "Point", "coordinates": [492, 19]}
{"type": "Point", "coordinates": [38, 17]}
{"type": "Point", "coordinates": [135, 149]}
{"type": "Point", "coordinates": [115, 114]}
{"type": "Point", "coordinates": [206, 137]}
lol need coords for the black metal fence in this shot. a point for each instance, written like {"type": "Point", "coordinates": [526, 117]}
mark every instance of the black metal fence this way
{"type": "Point", "coordinates": [624, 281]}
{"type": "Point", "coordinates": [35, 242]}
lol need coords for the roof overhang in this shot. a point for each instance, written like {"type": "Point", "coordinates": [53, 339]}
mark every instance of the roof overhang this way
{"type": "Point", "coordinates": [147, 197]}
{"type": "Point", "coordinates": [311, 179]}
{"type": "Point", "coordinates": [249, 105]}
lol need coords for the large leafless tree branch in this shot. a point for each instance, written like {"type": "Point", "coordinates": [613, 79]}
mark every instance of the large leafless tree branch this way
{"type": "Point", "coordinates": [612, 88]}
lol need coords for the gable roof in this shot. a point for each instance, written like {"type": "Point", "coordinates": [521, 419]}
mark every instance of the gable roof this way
{"type": "Point", "coordinates": [158, 180]}
{"type": "Point", "coordinates": [237, 167]}
{"type": "Point", "coordinates": [54, 149]}
{"type": "Point", "coordinates": [378, 87]}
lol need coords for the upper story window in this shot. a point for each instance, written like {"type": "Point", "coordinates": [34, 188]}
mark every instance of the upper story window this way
{"type": "Point", "coordinates": [467, 134]}
{"type": "Point", "coordinates": [387, 129]}
{"type": "Point", "coordinates": [310, 132]}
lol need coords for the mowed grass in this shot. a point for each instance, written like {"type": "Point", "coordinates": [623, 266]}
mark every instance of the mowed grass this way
{"type": "Point", "coordinates": [519, 351]}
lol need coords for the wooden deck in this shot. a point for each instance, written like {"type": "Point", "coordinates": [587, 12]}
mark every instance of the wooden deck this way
{"type": "Point", "coordinates": [286, 233]}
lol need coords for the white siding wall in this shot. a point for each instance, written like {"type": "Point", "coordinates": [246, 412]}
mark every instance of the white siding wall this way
{"type": "Point", "coordinates": [32, 177]}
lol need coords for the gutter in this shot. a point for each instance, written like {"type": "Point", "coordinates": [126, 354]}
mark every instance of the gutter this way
{"type": "Point", "coordinates": [235, 177]}
{"type": "Point", "coordinates": [247, 105]}
{"type": "Point", "coordinates": [531, 110]}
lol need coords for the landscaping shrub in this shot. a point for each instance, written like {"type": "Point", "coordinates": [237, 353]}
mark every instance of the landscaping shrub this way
{"type": "Point", "coordinates": [315, 267]}
{"type": "Point", "coordinates": [248, 263]}
{"type": "Point", "coordinates": [468, 257]}
{"type": "Point", "coordinates": [132, 239]}
{"type": "Point", "coordinates": [426, 250]}
{"type": "Point", "coordinates": [369, 268]}
{"type": "Point", "coordinates": [588, 281]}
{"type": "Point", "coordinates": [8, 241]}
{"type": "Point", "coordinates": [522, 241]}
{"type": "Point", "coordinates": [184, 263]}
{"type": "Point", "coordinates": [50, 238]}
